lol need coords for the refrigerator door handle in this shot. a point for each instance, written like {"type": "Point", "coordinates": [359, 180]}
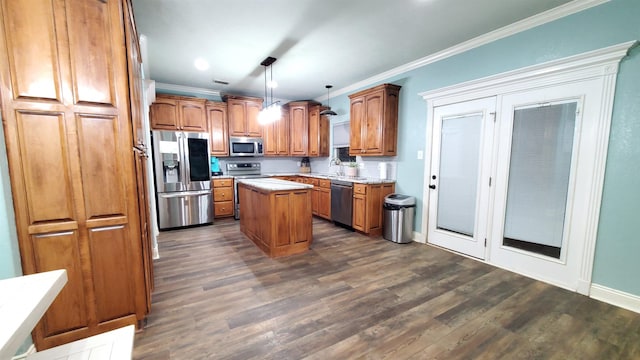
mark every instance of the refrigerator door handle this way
{"type": "Point", "coordinates": [187, 164]}
{"type": "Point", "coordinates": [184, 194]}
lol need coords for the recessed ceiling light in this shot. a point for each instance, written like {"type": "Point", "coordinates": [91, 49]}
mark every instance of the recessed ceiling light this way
{"type": "Point", "coordinates": [201, 64]}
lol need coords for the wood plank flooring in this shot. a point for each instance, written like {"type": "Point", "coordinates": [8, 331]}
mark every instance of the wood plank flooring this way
{"type": "Point", "coordinates": [218, 296]}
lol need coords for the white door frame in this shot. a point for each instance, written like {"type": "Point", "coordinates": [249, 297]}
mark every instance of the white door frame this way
{"type": "Point", "coordinates": [600, 65]}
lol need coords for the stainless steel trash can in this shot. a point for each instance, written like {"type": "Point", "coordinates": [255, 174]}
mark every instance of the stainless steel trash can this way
{"type": "Point", "coordinates": [399, 211]}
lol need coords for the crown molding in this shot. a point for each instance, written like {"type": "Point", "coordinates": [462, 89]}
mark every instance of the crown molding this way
{"type": "Point", "coordinates": [186, 89]}
{"type": "Point", "coordinates": [503, 32]}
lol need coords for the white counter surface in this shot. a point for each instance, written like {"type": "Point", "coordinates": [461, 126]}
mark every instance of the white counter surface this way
{"type": "Point", "coordinates": [23, 301]}
{"type": "Point", "coordinates": [359, 179]}
{"type": "Point", "coordinates": [274, 184]}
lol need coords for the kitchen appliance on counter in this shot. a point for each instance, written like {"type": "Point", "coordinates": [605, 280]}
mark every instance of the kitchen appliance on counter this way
{"type": "Point", "coordinates": [215, 166]}
{"type": "Point", "coordinates": [342, 203]}
{"type": "Point", "coordinates": [245, 146]}
{"type": "Point", "coordinates": [242, 170]}
{"type": "Point", "coordinates": [183, 178]}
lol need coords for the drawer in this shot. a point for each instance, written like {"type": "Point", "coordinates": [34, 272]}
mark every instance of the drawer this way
{"type": "Point", "coordinates": [223, 208]}
{"type": "Point", "coordinates": [223, 194]}
{"type": "Point", "coordinates": [312, 181]}
{"type": "Point", "coordinates": [222, 183]}
{"type": "Point", "coordinates": [359, 189]}
{"type": "Point", "coordinates": [325, 183]}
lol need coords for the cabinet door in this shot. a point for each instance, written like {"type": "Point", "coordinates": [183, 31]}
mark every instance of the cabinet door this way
{"type": "Point", "coordinates": [237, 113]}
{"type": "Point", "coordinates": [192, 115]}
{"type": "Point", "coordinates": [253, 110]}
{"type": "Point", "coordinates": [357, 123]}
{"type": "Point", "coordinates": [323, 136]}
{"type": "Point", "coordinates": [359, 212]}
{"type": "Point", "coordinates": [134, 66]}
{"type": "Point", "coordinates": [271, 134]}
{"type": "Point", "coordinates": [218, 132]}
{"type": "Point", "coordinates": [324, 203]}
{"type": "Point", "coordinates": [372, 133]}
{"type": "Point", "coordinates": [283, 134]}
{"type": "Point", "coordinates": [299, 130]}
{"type": "Point", "coordinates": [314, 131]}
{"type": "Point", "coordinates": [315, 194]}
{"type": "Point", "coordinates": [164, 114]}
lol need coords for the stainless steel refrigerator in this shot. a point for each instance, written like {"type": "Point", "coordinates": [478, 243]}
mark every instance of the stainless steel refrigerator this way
{"type": "Point", "coordinates": [183, 178]}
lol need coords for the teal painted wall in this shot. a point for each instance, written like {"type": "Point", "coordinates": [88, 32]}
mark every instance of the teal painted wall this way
{"type": "Point", "coordinates": [9, 253]}
{"type": "Point", "coordinates": [618, 243]}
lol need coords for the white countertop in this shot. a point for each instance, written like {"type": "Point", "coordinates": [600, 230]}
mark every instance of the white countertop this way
{"type": "Point", "coordinates": [274, 184]}
{"type": "Point", "coordinates": [23, 301]}
{"type": "Point", "coordinates": [359, 179]}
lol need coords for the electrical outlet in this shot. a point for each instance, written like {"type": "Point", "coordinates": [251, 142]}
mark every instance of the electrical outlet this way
{"type": "Point", "coordinates": [420, 154]}
{"type": "Point", "coordinates": [298, 163]}
{"type": "Point", "coordinates": [361, 165]}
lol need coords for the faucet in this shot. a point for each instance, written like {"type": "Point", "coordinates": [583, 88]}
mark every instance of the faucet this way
{"type": "Point", "coordinates": [336, 161]}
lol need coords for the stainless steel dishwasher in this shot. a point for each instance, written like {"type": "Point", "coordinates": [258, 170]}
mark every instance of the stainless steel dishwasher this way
{"type": "Point", "coordinates": [342, 202]}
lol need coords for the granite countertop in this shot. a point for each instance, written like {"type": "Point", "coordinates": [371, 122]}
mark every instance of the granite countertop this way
{"type": "Point", "coordinates": [274, 184]}
{"type": "Point", "coordinates": [360, 180]}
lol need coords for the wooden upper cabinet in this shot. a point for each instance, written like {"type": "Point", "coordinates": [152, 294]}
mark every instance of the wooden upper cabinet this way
{"type": "Point", "coordinates": [309, 135]}
{"type": "Point", "coordinates": [276, 136]}
{"type": "Point", "coordinates": [243, 116]}
{"type": "Point", "coordinates": [218, 131]}
{"type": "Point", "coordinates": [192, 115]}
{"type": "Point", "coordinates": [299, 128]}
{"type": "Point", "coordinates": [374, 121]}
{"type": "Point", "coordinates": [171, 112]}
{"type": "Point", "coordinates": [318, 132]}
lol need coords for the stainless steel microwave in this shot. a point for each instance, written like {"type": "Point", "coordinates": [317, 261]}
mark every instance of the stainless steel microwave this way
{"type": "Point", "coordinates": [245, 146]}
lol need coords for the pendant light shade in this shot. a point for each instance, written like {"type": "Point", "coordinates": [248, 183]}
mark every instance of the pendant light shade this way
{"type": "Point", "coordinates": [328, 112]}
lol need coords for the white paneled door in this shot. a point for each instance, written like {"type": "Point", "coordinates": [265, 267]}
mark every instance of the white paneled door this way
{"type": "Point", "coordinates": [459, 180]}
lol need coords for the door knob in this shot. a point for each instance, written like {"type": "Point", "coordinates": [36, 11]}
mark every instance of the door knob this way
{"type": "Point", "coordinates": [432, 186]}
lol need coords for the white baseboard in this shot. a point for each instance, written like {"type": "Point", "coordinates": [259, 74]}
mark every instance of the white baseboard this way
{"type": "Point", "coordinates": [419, 237]}
{"type": "Point", "coordinates": [616, 297]}
{"type": "Point", "coordinates": [30, 350]}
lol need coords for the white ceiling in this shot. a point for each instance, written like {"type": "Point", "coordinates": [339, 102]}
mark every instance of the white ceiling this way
{"type": "Point", "coordinates": [336, 42]}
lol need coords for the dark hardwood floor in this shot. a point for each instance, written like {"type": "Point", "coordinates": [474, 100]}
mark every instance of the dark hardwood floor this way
{"type": "Point", "coordinates": [218, 296]}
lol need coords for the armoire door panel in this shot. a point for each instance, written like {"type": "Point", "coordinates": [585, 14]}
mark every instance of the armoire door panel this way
{"type": "Point", "coordinates": [68, 311]}
{"type": "Point", "coordinates": [102, 177]}
{"type": "Point", "coordinates": [92, 55]}
{"type": "Point", "coordinates": [45, 166]}
{"type": "Point", "coordinates": [32, 52]}
{"type": "Point", "coordinates": [110, 264]}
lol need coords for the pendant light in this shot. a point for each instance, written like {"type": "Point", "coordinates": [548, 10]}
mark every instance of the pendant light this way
{"type": "Point", "coordinates": [328, 112]}
{"type": "Point", "coordinates": [271, 111]}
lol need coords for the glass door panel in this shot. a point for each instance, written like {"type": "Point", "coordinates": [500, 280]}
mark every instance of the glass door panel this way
{"type": "Point", "coordinates": [539, 169]}
{"type": "Point", "coordinates": [459, 162]}
{"type": "Point", "coordinates": [459, 179]}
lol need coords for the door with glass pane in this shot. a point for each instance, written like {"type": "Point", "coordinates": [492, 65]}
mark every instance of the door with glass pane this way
{"type": "Point", "coordinates": [459, 179]}
{"type": "Point", "coordinates": [536, 159]}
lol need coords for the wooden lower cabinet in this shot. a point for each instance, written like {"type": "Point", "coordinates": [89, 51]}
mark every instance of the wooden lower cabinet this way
{"type": "Point", "coordinates": [278, 222]}
{"type": "Point", "coordinates": [324, 199]}
{"type": "Point", "coordinates": [367, 206]}
{"type": "Point", "coordinates": [223, 204]}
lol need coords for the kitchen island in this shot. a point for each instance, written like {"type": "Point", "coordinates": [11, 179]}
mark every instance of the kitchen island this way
{"type": "Point", "coordinates": [276, 215]}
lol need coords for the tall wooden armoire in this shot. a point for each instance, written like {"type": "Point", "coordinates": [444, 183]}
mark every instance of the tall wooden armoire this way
{"type": "Point", "coordinates": [68, 126]}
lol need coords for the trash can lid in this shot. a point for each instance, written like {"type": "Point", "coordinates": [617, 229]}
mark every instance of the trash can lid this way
{"type": "Point", "coordinates": [399, 199]}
